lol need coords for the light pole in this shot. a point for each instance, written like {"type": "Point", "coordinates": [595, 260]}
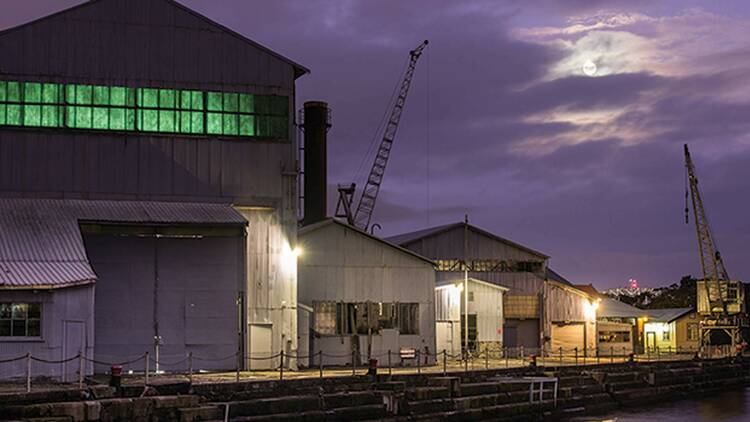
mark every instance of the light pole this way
{"type": "Point", "coordinates": [466, 286]}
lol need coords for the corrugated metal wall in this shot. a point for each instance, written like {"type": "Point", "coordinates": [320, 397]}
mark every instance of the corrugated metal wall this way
{"type": "Point", "coordinates": [488, 306]}
{"type": "Point", "coordinates": [340, 264]}
{"type": "Point", "coordinates": [188, 286]}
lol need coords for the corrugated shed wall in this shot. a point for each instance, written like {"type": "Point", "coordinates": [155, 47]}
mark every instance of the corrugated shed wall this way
{"type": "Point", "coordinates": [488, 306]}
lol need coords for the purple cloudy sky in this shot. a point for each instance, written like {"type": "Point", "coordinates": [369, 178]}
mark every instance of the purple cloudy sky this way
{"type": "Point", "coordinates": [503, 123]}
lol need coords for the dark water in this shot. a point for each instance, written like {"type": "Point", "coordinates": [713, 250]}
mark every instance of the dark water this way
{"type": "Point", "coordinates": [731, 406]}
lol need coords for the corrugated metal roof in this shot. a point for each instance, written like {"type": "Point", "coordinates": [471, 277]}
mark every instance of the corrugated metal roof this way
{"type": "Point", "coordinates": [41, 244]}
{"type": "Point", "coordinates": [328, 221]}
{"type": "Point", "coordinates": [554, 275]}
{"type": "Point", "coordinates": [406, 238]}
{"type": "Point", "coordinates": [611, 308]}
{"type": "Point", "coordinates": [667, 314]}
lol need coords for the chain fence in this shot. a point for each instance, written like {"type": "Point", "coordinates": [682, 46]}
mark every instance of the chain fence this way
{"type": "Point", "coordinates": [145, 367]}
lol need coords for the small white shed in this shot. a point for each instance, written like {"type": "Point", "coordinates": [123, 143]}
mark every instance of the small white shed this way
{"type": "Point", "coordinates": [485, 315]}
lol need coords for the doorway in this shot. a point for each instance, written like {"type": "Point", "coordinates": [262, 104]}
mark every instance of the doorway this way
{"type": "Point", "coordinates": [651, 340]}
{"type": "Point", "coordinates": [472, 331]}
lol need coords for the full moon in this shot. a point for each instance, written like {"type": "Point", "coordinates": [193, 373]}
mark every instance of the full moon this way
{"type": "Point", "coordinates": [589, 68]}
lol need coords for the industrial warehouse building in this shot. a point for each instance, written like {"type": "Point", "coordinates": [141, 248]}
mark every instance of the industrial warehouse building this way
{"type": "Point", "coordinates": [147, 190]}
{"type": "Point", "coordinates": [472, 309]}
{"type": "Point", "coordinates": [368, 297]}
{"type": "Point", "coordinates": [541, 310]}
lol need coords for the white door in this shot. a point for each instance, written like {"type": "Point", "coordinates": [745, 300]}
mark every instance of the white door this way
{"type": "Point", "coordinates": [261, 344]}
{"type": "Point", "coordinates": [445, 340]}
{"type": "Point", "coordinates": [74, 341]}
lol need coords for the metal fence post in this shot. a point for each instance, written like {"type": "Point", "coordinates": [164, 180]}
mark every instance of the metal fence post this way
{"type": "Point", "coordinates": [390, 367]}
{"type": "Point", "coordinates": [354, 364]}
{"type": "Point", "coordinates": [28, 372]}
{"type": "Point", "coordinates": [320, 363]}
{"type": "Point", "coordinates": [145, 379]}
{"type": "Point", "coordinates": [561, 356]}
{"type": "Point", "coordinates": [190, 367]}
{"type": "Point", "coordinates": [80, 370]}
{"type": "Point", "coordinates": [445, 361]}
{"type": "Point", "coordinates": [419, 361]}
{"type": "Point", "coordinates": [576, 350]}
{"type": "Point", "coordinates": [598, 356]}
{"type": "Point", "coordinates": [281, 366]}
{"type": "Point", "coordinates": [521, 352]}
{"type": "Point", "coordinates": [611, 354]}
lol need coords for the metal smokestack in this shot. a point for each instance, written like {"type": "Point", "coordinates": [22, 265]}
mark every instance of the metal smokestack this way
{"type": "Point", "coordinates": [316, 124]}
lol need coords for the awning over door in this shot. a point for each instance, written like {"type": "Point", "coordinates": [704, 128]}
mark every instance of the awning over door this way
{"type": "Point", "coordinates": [40, 239]}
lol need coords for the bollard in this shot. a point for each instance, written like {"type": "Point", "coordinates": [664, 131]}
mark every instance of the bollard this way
{"type": "Point", "coordinates": [522, 353]}
{"type": "Point", "coordinates": [611, 354]}
{"type": "Point", "coordinates": [115, 376]}
{"type": "Point", "coordinates": [28, 372]}
{"type": "Point", "coordinates": [354, 364]}
{"type": "Point", "coordinates": [669, 351]}
{"type": "Point", "coordinates": [320, 363]}
{"type": "Point", "coordinates": [419, 362]}
{"type": "Point", "coordinates": [598, 357]}
{"type": "Point", "coordinates": [445, 361]}
{"type": "Point", "coordinates": [576, 350]}
{"type": "Point", "coordinates": [145, 379]}
{"type": "Point", "coordinates": [190, 367]}
{"type": "Point", "coordinates": [561, 356]}
{"type": "Point", "coordinates": [281, 367]}
{"type": "Point", "coordinates": [486, 359]}
{"type": "Point", "coordinates": [624, 353]}
{"type": "Point", "coordinates": [390, 367]}
{"type": "Point", "coordinates": [80, 370]}
{"type": "Point", "coordinates": [505, 352]}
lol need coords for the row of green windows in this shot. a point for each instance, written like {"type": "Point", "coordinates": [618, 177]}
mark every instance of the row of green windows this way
{"type": "Point", "coordinates": [142, 109]}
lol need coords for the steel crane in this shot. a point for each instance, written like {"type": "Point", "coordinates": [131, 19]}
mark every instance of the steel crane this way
{"type": "Point", "coordinates": [363, 215]}
{"type": "Point", "coordinates": [720, 301]}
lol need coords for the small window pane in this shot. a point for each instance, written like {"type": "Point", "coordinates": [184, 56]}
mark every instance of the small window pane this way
{"type": "Point", "coordinates": [34, 310]}
{"type": "Point", "coordinates": [261, 104]}
{"type": "Point", "coordinates": [18, 328]}
{"type": "Point", "coordinates": [230, 124]}
{"type": "Point", "coordinates": [197, 122]}
{"type": "Point", "coordinates": [214, 101]}
{"type": "Point", "coordinates": [197, 102]}
{"type": "Point", "coordinates": [5, 310]}
{"type": "Point", "coordinates": [279, 127]}
{"type": "Point", "coordinates": [117, 118]}
{"type": "Point", "coordinates": [185, 100]}
{"type": "Point", "coordinates": [33, 92]}
{"type": "Point", "coordinates": [32, 115]}
{"type": "Point", "coordinates": [20, 310]}
{"type": "Point", "coordinates": [14, 115]}
{"type": "Point", "coordinates": [117, 96]}
{"type": "Point", "coordinates": [50, 116]}
{"type": "Point", "coordinates": [279, 105]}
{"type": "Point", "coordinates": [14, 92]}
{"type": "Point", "coordinates": [101, 95]}
{"type": "Point", "coordinates": [246, 103]}
{"type": "Point", "coordinates": [83, 117]}
{"type": "Point", "coordinates": [84, 94]}
{"type": "Point", "coordinates": [101, 118]}
{"type": "Point", "coordinates": [166, 98]}
{"type": "Point", "coordinates": [4, 327]}
{"type": "Point", "coordinates": [230, 102]}
{"type": "Point", "coordinates": [148, 97]}
{"type": "Point", "coordinates": [33, 328]}
{"type": "Point", "coordinates": [263, 126]}
{"type": "Point", "coordinates": [129, 119]}
{"type": "Point", "coordinates": [247, 125]}
{"type": "Point", "coordinates": [2, 113]}
{"type": "Point", "coordinates": [214, 123]}
{"type": "Point", "coordinates": [3, 90]}
{"type": "Point", "coordinates": [183, 117]}
{"type": "Point", "coordinates": [149, 120]}
{"type": "Point", "coordinates": [50, 93]}
{"type": "Point", "coordinates": [166, 121]}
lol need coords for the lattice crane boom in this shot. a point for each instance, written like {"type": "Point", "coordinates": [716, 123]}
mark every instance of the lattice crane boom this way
{"type": "Point", "coordinates": [369, 196]}
{"type": "Point", "coordinates": [714, 273]}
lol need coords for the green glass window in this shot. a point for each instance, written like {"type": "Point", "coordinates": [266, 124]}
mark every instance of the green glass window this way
{"type": "Point", "coordinates": [20, 319]}
{"type": "Point", "coordinates": [161, 110]}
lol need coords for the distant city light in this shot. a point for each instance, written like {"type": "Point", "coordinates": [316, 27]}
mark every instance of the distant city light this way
{"type": "Point", "coordinates": [633, 283]}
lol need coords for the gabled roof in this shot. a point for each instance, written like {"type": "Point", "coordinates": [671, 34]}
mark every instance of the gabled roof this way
{"type": "Point", "coordinates": [611, 308]}
{"type": "Point", "coordinates": [299, 70]}
{"type": "Point", "coordinates": [407, 238]}
{"type": "Point", "coordinates": [333, 221]}
{"type": "Point", "coordinates": [667, 314]}
{"type": "Point", "coordinates": [588, 288]}
{"type": "Point", "coordinates": [443, 283]}
{"type": "Point", "coordinates": [551, 274]}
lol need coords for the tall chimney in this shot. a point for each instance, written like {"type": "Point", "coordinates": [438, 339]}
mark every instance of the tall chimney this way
{"type": "Point", "coordinates": [316, 125]}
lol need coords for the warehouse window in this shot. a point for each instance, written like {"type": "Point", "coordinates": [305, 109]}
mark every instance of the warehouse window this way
{"type": "Point", "coordinates": [20, 319]}
{"type": "Point", "coordinates": [408, 318]}
{"type": "Point", "coordinates": [95, 107]}
{"type": "Point", "coordinates": [614, 337]}
{"type": "Point", "coordinates": [387, 315]}
{"type": "Point", "coordinates": [325, 318]}
{"type": "Point", "coordinates": [665, 335]}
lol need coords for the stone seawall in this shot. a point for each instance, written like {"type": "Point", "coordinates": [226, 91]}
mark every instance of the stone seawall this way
{"type": "Point", "coordinates": [500, 395]}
